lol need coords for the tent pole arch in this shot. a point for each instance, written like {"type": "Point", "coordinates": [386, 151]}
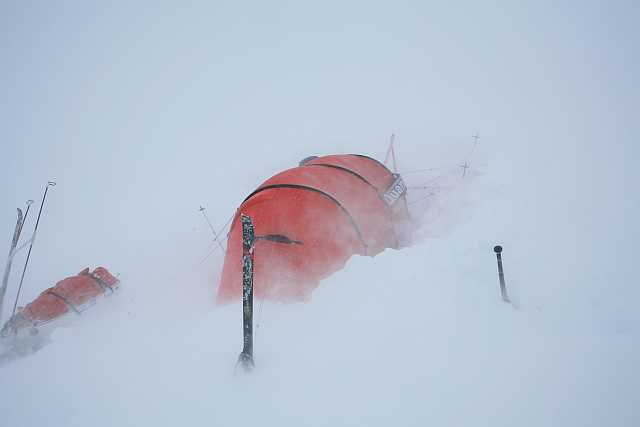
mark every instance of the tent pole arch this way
{"type": "Point", "coordinates": [315, 190]}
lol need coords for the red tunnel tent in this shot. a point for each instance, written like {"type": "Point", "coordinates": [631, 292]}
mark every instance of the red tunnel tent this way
{"type": "Point", "coordinates": [311, 219]}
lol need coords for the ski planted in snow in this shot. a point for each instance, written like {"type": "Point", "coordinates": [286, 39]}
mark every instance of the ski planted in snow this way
{"type": "Point", "coordinates": [12, 250]}
{"type": "Point", "coordinates": [248, 241]}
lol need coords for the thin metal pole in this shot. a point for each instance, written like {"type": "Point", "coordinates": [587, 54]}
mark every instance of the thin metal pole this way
{"type": "Point", "coordinates": [33, 238]}
{"type": "Point", "coordinates": [475, 137]}
{"type": "Point", "coordinates": [467, 163]}
{"type": "Point", "coordinates": [215, 235]}
{"type": "Point", "coordinates": [391, 153]}
{"type": "Point", "coordinates": [464, 168]}
{"type": "Point", "coordinates": [503, 286]}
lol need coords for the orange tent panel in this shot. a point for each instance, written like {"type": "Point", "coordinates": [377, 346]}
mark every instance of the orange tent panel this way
{"type": "Point", "coordinates": [327, 210]}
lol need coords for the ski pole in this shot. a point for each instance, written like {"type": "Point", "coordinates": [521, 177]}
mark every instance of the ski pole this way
{"type": "Point", "coordinates": [33, 238]}
{"type": "Point", "coordinates": [503, 287]}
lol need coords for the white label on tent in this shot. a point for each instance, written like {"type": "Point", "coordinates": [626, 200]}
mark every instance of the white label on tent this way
{"type": "Point", "coordinates": [395, 191]}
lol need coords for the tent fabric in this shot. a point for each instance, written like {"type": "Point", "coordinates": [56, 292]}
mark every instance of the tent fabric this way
{"type": "Point", "coordinates": [68, 295]}
{"type": "Point", "coordinates": [332, 206]}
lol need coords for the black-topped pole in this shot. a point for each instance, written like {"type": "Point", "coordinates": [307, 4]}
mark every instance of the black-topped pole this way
{"type": "Point", "coordinates": [248, 239]}
{"type": "Point", "coordinates": [503, 287]}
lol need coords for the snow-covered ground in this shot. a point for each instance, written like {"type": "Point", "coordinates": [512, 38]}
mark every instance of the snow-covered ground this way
{"type": "Point", "coordinates": [141, 114]}
{"type": "Point", "coordinates": [409, 337]}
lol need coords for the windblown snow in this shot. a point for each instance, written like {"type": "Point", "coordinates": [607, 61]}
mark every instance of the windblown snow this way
{"type": "Point", "coordinates": [409, 337]}
{"type": "Point", "coordinates": [141, 115]}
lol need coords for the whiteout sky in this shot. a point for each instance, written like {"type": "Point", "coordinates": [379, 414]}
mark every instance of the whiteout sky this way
{"type": "Point", "coordinates": [143, 112]}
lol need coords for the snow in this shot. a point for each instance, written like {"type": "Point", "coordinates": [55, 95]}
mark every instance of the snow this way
{"type": "Point", "coordinates": [409, 337]}
{"type": "Point", "coordinates": [140, 124]}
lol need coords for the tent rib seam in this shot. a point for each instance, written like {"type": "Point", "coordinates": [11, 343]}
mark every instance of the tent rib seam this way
{"type": "Point", "coordinates": [327, 195]}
